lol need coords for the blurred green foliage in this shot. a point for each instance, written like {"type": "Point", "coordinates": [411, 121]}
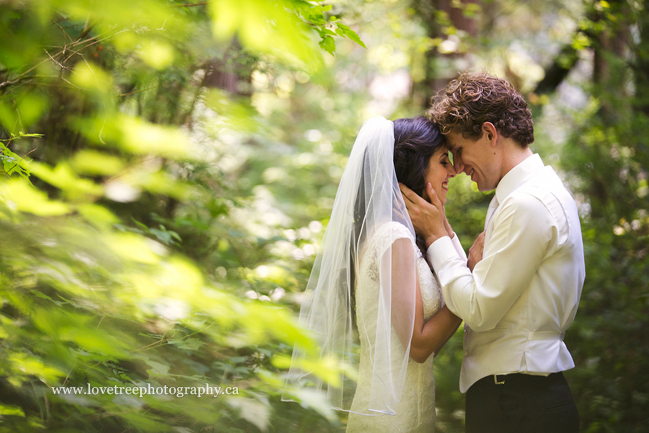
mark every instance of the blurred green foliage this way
{"type": "Point", "coordinates": [169, 170]}
{"type": "Point", "coordinates": [121, 264]}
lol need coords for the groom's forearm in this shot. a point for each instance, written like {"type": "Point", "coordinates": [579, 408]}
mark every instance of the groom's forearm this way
{"type": "Point", "coordinates": [480, 306]}
{"type": "Point", "coordinates": [517, 244]}
{"type": "Point", "coordinates": [439, 254]}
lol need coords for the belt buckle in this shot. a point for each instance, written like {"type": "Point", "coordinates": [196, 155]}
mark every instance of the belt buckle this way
{"type": "Point", "coordinates": [496, 380]}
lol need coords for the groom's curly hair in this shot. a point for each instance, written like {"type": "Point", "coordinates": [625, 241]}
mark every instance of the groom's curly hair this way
{"type": "Point", "coordinates": [475, 98]}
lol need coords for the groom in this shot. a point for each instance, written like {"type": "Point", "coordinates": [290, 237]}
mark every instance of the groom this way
{"type": "Point", "coordinates": [524, 289]}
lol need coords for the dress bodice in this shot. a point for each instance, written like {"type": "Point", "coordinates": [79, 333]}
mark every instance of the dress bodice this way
{"type": "Point", "coordinates": [431, 293]}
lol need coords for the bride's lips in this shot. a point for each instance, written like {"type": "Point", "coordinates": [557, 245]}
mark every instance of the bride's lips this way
{"type": "Point", "coordinates": [470, 173]}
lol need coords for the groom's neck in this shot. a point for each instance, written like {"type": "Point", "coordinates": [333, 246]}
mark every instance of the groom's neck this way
{"type": "Point", "coordinates": [513, 154]}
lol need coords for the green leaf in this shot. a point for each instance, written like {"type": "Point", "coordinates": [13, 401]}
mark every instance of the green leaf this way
{"type": "Point", "coordinates": [44, 296]}
{"type": "Point", "coordinates": [65, 179]}
{"type": "Point", "coordinates": [328, 44]}
{"type": "Point", "coordinates": [354, 37]}
{"type": "Point", "coordinates": [189, 343]}
{"type": "Point", "coordinates": [97, 215]}
{"type": "Point", "coordinates": [252, 410]}
{"type": "Point", "coordinates": [11, 410]}
{"type": "Point", "coordinates": [20, 196]}
{"type": "Point", "coordinates": [95, 163]}
{"type": "Point", "coordinates": [157, 369]}
{"type": "Point", "coordinates": [266, 27]}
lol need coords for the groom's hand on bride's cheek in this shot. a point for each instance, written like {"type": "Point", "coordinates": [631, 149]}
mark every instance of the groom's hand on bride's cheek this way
{"type": "Point", "coordinates": [427, 218]}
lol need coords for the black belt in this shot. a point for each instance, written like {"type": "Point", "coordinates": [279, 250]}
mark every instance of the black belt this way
{"type": "Point", "coordinates": [501, 379]}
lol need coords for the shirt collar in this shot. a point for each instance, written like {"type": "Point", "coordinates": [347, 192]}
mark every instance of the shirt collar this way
{"type": "Point", "coordinates": [516, 175]}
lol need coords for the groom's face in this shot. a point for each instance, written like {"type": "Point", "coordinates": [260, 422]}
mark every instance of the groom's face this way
{"type": "Point", "coordinates": [474, 158]}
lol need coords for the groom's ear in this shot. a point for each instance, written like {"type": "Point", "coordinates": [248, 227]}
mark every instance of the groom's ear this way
{"type": "Point", "coordinates": [490, 131]}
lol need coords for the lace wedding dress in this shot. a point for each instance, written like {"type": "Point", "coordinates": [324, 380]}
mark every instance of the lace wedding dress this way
{"type": "Point", "coordinates": [416, 409]}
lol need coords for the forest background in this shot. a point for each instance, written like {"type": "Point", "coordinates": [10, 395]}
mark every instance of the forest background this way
{"type": "Point", "coordinates": [169, 169]}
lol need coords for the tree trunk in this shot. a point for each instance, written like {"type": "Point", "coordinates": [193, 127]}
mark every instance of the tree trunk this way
{"type": "Point", "coordinates": [610, 43]}
{"type": "Point", "coordinates": [429, 11]}
{"type": "Point", "coordinates": [232, 72]}
{"type": "Point", "coordinates": [642, 63]}
{"type": "Point", "coordinates": [558, 70]}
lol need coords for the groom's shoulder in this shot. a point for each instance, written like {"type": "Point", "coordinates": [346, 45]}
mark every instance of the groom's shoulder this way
{"type": "Point", "coordinates": [543, 190]}
{"type": "Point", "coordinates": [549, 192]}
{"type": "Point", "coordinates": [545, 185]}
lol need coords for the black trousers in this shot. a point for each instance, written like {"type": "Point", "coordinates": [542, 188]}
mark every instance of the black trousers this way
{"type": "Point", "coordinates": [523, 404]}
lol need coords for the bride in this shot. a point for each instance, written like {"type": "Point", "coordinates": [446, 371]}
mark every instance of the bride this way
{"type": "Point", "coordinates": [371, 285]}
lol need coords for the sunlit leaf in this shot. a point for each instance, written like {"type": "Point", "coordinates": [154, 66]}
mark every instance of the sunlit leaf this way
{"type": "Point", "coordinates": [157, 54]}
{"type": "Point", "coordinates": [24, 364]}
{"type": "Point", "coordinates": [329, 370]}
{"type": "Point", "coordinates": [91, 76]}
{"type": "Point", "coordinates": [95, 163]}
{"type": "Point", "coordinates": [20, 196]}
{"type": "Point", "coordinates": [327, 43]}
{"type": "Point", "coordinates": [142, 137]}
{"type": "Point", "coordinates": [11, 410]}
{"type": "Point", "coordinates": [97, 215]}
{"type": "Point", "coordinates": [157, 369]}
{"type": "Point", "coordinates": [252, 410]}
{"type": "Point", "coordinates": [65, 179]}
{"type": "Point", "coordinates": [267, 27]}
{"type": "Point", "coordinates": [131, 247]}
{"type": "Point", "coordinates": [351, 34]}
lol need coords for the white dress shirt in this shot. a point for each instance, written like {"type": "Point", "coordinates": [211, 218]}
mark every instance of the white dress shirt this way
{"type": "Point", "coordinates": [523, 295]}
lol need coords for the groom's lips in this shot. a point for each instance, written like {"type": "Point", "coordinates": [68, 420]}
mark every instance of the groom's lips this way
{"type": "Point", "coordinates": [471, 174]}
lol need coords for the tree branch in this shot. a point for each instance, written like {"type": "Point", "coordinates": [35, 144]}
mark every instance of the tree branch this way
{"type": "Point", "coordinates": [558, 70]}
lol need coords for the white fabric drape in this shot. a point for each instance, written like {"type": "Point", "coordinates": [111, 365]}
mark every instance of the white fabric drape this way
{"type": "Point", "coordinates": [368, 197]}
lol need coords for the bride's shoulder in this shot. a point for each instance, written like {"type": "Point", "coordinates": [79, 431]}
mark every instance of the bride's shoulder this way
{"type": "Point", "coordinates": [390, 231]}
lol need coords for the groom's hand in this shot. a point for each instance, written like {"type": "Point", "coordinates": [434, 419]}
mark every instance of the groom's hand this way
{"type": "Point", "coordinates": [427, 218]}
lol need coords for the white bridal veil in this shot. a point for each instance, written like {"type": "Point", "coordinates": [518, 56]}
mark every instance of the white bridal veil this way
{"type": "Point", "coordinates": [338, 315]}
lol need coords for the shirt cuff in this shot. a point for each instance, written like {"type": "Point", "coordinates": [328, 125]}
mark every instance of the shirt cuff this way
{"type": "Point", "coordinates": [458, 247]}
{"type": "Point", "coordinates": [441, 251]}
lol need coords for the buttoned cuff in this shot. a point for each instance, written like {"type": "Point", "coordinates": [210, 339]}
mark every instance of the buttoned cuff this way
{"type": "Point", "coordinates": [440, 252]}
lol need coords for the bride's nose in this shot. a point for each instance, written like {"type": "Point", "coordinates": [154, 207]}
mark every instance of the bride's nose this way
{"type": "Point", "coordinates": [451, 171]}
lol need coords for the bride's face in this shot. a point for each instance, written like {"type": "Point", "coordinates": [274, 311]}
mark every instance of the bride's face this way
{"type": "Point", "coordinates": [439, 171]}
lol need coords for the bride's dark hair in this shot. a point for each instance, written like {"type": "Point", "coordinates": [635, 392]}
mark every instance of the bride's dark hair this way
{"type": "Point", "coordinates": [415, 141]}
